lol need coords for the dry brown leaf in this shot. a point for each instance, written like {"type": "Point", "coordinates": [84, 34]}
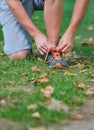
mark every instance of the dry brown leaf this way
{"type": "Point", "coordinates": [90, 91]}
{"type": "Point", "coordinates": [83, 71]}
{"type": "Point", "coordinates": [90, 28]}
{"type": "Point", "coordinates": [69, 73]}
{"type": "Point", "coordinates": [3, 102]}
{"type": "Point", "coordinates": [54, 104]}
{"type": "Point", "coordinates": [84, 43]}
{"type": "Point", "coordinates": [91, 41]}
{"type": "Point", "coordinates": [77, 117]}
{"type": "Point", "coordinates": [35, 69]}
{"type": "Point", "coordinates": [32, 107]}
{"type": "Point", "coordinates": [43, 78]}
{"type": "Point", "coordinates": [86, 63]}
{"type": "Point", "coordinates": [33, 80]}
{"type": "Point", "coordinates": [23, 74]}
{"type": "Point", "coordinates": [80, 85]}
{"type": "Point", "coordinates": [39, 59]}
{"type": "Point", "coordinates": [36, 115]}
{"type": "Point", "coordinates": [48, 91]}
{"type": "Point", "coordinates": [40, 128]}
{"type": "Point", "coordinates": [44, 75]}
{"type": "Point", "coordinates": [92, 75]}
{"type": "Point", "coordinates": [78, 37]}
{"type": "Point", "coordinates": [74, 84]}
{"type": "Point", "coordinates": [80, 66]}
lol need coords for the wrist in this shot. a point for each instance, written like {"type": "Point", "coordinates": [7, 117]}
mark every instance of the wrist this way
{"type": "Point", "coordinates": [72, 29]}
{"type": "Point", "coordinates": [35, 33]}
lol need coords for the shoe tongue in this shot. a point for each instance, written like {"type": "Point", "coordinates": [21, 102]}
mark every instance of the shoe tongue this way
{"type": "Point", "coordinates": [53, 50]}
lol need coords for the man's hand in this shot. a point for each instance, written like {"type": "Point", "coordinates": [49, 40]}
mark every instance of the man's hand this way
{"type": "Point", "coordinates": [41, 43]}
{"type": "Point", "coordinates": [66, 43]}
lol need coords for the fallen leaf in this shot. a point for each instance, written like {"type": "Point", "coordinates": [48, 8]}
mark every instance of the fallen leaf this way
{"type": "Point", "coordinates": [48, 91]}
{"type": "Point", "coordinates": [39, 59]}
{"type": "Point", "coordinates": [92, 75]}
{"type": "Point", "coordinates": [91, 41]}
{"type": "Point", "coordinates": [80, 85]}
{"type": "Point", "coordinates": [84, 43]}
{"type": "Point", "coordinates": [83, 71]}
{"type": "Point", "coordinates": [41, 128]}
{"type": "Point", "coordinates": [90, 28]}
{"type": "Point", "coordinates": [36, 115]}
{"type": "Point", "coordinates": [44, 75]}
{"type": "Point", "coordinates": [90, 91]}
{"type": "Point", "coordinates": [38, 128]}
{"type": "Point", "coordinates": [86, 64]}
{"type": "Point", "coordinates": [78, 37]}
{"type": "Point", "coordinates": [3, 102]}
{"type": "Point", "coordinates": [23, 74]}
{"type": "Point", "coordinates": [69, 73]}
{"type": "Point", "coordinates": [32, 107]}
{"type": "Point", "coordinates": [33, 80]}
{"type": "Point", "coordinates": [74, 84]}
{"type": "Point", "coordinates": [77, 117]}
{"type": "Point", "coordinates": [54, 104]}
{"type": "Point", "coordinates": [35, 69]}
{"type": "Point", "coordinates": [80, 66]}
{"type": "Point", "coordinates": [43, 78]}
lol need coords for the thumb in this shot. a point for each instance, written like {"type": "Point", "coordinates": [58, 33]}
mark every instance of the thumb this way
{"type": "Point", "coordinates": [59, 47]}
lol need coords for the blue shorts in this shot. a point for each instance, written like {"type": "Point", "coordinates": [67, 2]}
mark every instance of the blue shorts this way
{"type": "Point", "coordinates": [16, 38]}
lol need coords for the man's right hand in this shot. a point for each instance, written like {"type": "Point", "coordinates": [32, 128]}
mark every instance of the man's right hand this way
{"type": "Point", "coordinates": [41, 43]}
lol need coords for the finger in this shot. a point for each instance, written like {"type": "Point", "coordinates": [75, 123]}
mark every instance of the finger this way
{"type": "Point", "coordinates": [61, 47]}
{"type": "Point", "coordinates": [45, 48]}
{"type": "Point", "coordinates": [67, 49]}
{"type": "Point", "coordinates": [42, 51]}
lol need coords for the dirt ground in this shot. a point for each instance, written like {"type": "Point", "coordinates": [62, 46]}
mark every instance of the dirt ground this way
{"type": "Point", "coordinates": [83, 120]}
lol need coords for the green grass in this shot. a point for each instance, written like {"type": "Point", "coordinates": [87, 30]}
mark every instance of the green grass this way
{"type": "Point", "coordinates": [18, 91]}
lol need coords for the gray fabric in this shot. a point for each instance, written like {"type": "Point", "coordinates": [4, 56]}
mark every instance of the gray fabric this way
{"type": "Point", "coordinates": [16, 38]}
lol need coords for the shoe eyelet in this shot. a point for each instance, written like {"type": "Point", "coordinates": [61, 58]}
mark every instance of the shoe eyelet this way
{"type": "Point", "coordinates": [57, 55]}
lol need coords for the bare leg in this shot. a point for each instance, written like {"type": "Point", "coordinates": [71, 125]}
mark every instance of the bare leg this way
{"type": "Point", "coordinates": [53, 16]}
{"type": "Point", "coordinates": [19, 55]}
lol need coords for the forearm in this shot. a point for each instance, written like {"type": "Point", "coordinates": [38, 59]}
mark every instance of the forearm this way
{"type": "Point", "coordinates": [53, 18]}
{"type": "Point", "coordinates": [22, 17]}
{"type": "Point", "coordinates": [78, 13]}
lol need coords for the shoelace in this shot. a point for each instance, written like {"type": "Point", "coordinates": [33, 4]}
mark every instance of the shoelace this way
{"type": "Point", "coordinates": [52, 51]}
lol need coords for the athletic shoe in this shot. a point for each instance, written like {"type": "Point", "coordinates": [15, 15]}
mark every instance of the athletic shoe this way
{"type": "Point", "coordinates": [55, 59]}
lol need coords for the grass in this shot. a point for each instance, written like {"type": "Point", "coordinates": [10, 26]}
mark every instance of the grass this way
{"type": "Point", "coordinates": [17, 90]}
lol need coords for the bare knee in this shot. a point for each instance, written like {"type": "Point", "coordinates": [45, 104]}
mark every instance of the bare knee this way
{"type": "Point", "coordinates": [19, 55]}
